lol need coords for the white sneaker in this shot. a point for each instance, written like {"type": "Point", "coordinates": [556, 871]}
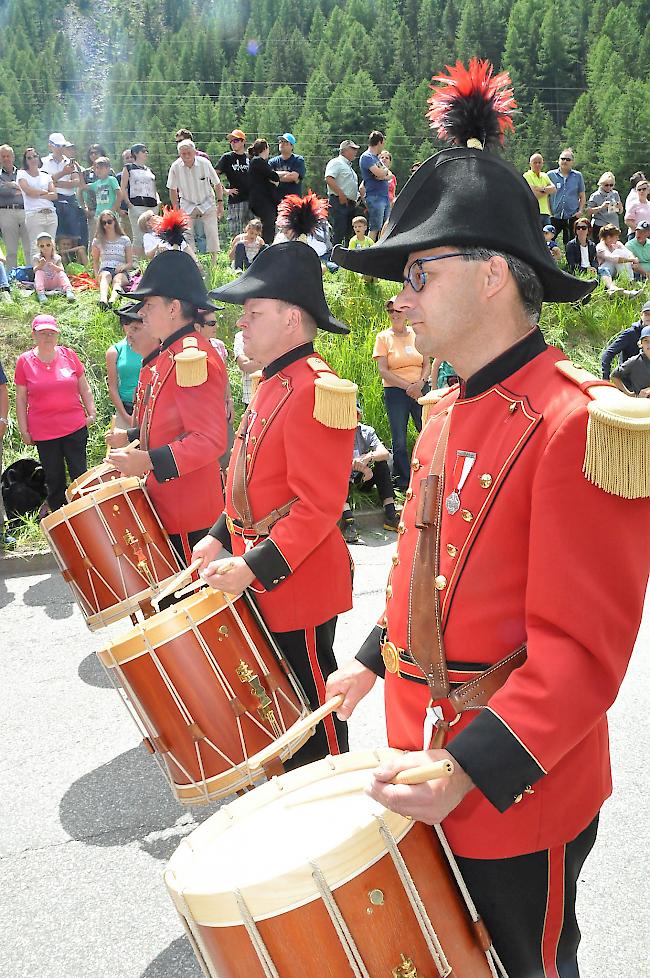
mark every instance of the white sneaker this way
{"type": "Point", "coordinates": [41, 297]}
{"type": "Point", "coordinates": [70, 296]}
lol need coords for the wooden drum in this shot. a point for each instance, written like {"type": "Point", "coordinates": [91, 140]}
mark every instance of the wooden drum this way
{"type": "Point", "coordinates": [209, 690]}
{"type": "Point", "coordinates": [307, 877]}
{"type": "Point", "coordinates": [91, 480]}
{"type": "Point", "coordinates": [112, 550]}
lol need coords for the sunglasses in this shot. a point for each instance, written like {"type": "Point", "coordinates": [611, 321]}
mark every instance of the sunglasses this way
{"type": "Point", "coordinates": [607, 184]}
{"type": "Point", "coordinates": [209, 322]}
{"type": "Point", "coordinates": [566, 159]}
{"type": "Point", "coordinates": [32, 157]}
{"type": "Point", "coordinates": [236, 141]}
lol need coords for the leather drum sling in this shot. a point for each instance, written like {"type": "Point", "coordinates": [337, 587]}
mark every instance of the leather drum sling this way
{"type": "Point", "coordinates": [240, 500]}
{"type": "Point", "coordinates": [425, 641]}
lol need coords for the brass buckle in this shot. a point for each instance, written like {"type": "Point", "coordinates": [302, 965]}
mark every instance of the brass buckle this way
{"type": "Point", "coordinates": [390, 655]}
{"type": "Point", "coordinates": [230, 525]}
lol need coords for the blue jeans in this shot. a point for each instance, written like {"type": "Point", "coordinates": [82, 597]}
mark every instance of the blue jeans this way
{"type": "Point", "coordinates": [399, 407]}
{"type": "Point", "coordinates": [4, 284]}
{"type": "Point", "coordinates": [378, 211]}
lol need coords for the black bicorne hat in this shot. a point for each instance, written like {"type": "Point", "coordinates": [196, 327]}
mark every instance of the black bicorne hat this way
{"type": "Point", "coordinates": [130, 311]}
{"type": "Point", "coordinates": [290, 271]}
{"type": "Point", "coordinates": [173, 275]}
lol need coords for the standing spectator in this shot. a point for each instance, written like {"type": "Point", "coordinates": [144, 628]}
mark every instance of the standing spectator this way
{"type": "Point", "coordinates": [245, 247]}
{"type": "Point", "coordinates": [138, 182]}
{"type": "Point", "coordinates": [404, 374]}
{"type": "Point", "coordinates": [289, 166]}
{"type": "Point", "coordinates": [639, 245]}
{"type": "Point", "coordinates": [234, 165]}
{"type": "Point", "coordinates": [104, 187]}
{"type": "Point", "coordinates": [54, 407]}
{"type": "Point", "coordinates": [190, 181]}
{"type": "Point", "coordinates": [125, 221]}
{"type": "Point", "coordinates": [604, 205]}
{"type": "Point", "coordinates": [49, 274]}
{"type": "Point", "coordinates": [12, 209]}
{"type": "Point", "coordinates": [5, 539]}
{"type": "Point", "coordinates": [369, 468]}
{"type": "Point", "coordinates": [342, 190]}
{"type": "Point", "coordinates": [568, 201]}
{"type": "Point", "coordinates": [112, 256]}
{"type": "Point", "coordinates": [633, 376]}
{"type": "Point", "coordinates": [540, 183]}
{"type": "Point", "coordinates": [376, 178]}
{"type": "Point", "coordinates": [66, 177]}
{"type": "Point", "coordinates": [183, 134]}
{"type": "Point", "coordinates": [247, 366]}
{"type": "Point", "coordinates": [263, 188]}
{"type": "Point", "coordinates": [641, 210]}
{"type": "Point", "coordinates": [581, 250]}
{"type": "Point", "coordinates": [197, 225]}
{"type": "Point", "coordinates": [206, 326]}
{"type": "Point", "coordinates": [626, 344]}
{"type": "Point", "coordinates": [39, 192]}
{"type": "Point", "coordinates": [360, 239]}
{"type": "Point", "coordinates": [614, 260]}
{"type": "Point", "coordinates": [387, 159]}
{"type": "Point", "coordinates": [123, 365]}
{"type": "Point", "coordinates": [87, 197]}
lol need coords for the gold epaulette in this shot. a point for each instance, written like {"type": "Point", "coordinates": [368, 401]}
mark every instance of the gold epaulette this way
{"type": "Point", "coordinates": [256, 378]}
{"type": "Point", "coordinates": [335, 401]}
{"type": "Point", "coordinates": [191, 364]}
{"type": "Point", "coordinates": [617, 455]}
{"type": "Point", "coordinates": [427, 401]}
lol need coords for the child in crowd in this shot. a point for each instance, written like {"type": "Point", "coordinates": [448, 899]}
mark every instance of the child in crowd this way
{"type": "Point", "coordinates": [245, 247]}
{"type": "Point", "coordinates": [105, 187]}
{"type": "Point", "coordinates": [49, 274]}
{"type": "Point", "coordinates": [551, 243]}
{"type": "Point", "coordinates": [153, 244]}
{"type": "Point", "coordinates": [360, 240]}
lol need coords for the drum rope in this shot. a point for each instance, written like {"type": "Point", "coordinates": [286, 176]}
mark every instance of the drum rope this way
{"type": "Point", "coordinates": [111, 536]}
{"type": "Point", "coordinates": [433, 942]}
{"type": "Point", "coordinates": [256, 938]}
{"type": "Point", "coordinates": [495, 963]}
{"type": "Point", "coordinates": [151, 543]}
{"type": "Point", "coordinates": [81, 550]}
{"type": "Point", "coordinates": [174, 566]}
{"type": "Point", "coordinates": [345, 937]}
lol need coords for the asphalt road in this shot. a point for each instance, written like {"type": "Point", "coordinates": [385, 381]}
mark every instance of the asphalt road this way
{"type": "Point", "coordinates": [87, 822]}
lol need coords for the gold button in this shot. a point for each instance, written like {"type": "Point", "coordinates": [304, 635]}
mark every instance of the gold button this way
{"type": "Point", "coordinates": [513, 408]}
{"type": "Point", "coordinates": [401, 528]}
{"type": "Point", "coordinates": [253, 439]}
{"type": "Point", "coordinates": [452, 550]}
{"type": "Point", "coordinates": [395, 560]}
{"type": "Point", "coordinates": [485, 480]}
{"type": "Point", "coordinates": [408, 494]}
{"type": "Point", "coordinates": [415, 464]}
{"type": "Point", "coordinates": [440, 582]}
{"type": "Point", "coordinates": [248, 457]}
{"type": "Point", "coordinates": [276, 581]}
{"type": "Point", "coordinates": [389, 591]}
{"type": "Point", "coordinates": [263, 421]}
{"type": "Point", "coordinates": [467, 516]}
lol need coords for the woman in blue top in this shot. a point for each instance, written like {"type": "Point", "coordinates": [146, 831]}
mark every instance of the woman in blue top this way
{"type": "Point", "coordinates": [123, 369]}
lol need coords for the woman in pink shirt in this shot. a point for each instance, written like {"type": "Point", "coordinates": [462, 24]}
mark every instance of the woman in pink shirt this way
{"type": "Point", "coordinates": [640, 211]}
{"type": "Point", "coordinates": [54, 406]}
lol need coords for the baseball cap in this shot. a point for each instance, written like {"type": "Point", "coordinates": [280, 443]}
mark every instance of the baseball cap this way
{"type": "Point", "coordinates": [348, 144]}
{"type": "Point", "coordinates": [236, 134]}
{"type": "Point", "coordinates": [42, 322]}
{"type": "Point", "coordinates": [645, 332]}
{"type": "Point", "coordinates": [58, 139]}
{"type": "Point", "coordinates": [643, 226]}
{"type": "Point", "coordinates": [645, 307]}
{"type": "Point", "coordinates": [288, 138]}
{"type": "Point", "coordinates": [137, 148]}
{"type": "Point", "coordinates": [549, 227]}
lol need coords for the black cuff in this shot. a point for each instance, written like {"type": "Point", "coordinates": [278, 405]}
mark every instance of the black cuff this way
{"type": "Point", "coordinates": [220, 532]}
{"type": "Point", "coordinates": [369, 655]}
{"type": "Point", "coordinates": [268, 564]}
{"type": "Point", "coordinates": [496, 761]}
{"type": "Point", "coordinates": [164, 463]}
{"type": "Point", "coordinates": [132, 433]}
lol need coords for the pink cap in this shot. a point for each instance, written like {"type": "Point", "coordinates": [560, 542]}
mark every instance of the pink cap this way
{"type": "Point", "coordinates": [44, 322]}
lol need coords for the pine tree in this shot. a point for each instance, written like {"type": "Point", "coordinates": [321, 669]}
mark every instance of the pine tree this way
{"type": "Point", "coordinates": [552, 65]}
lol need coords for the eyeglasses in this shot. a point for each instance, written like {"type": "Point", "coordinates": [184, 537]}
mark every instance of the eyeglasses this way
{"type": "Point", "coordinates": [642, 188]}
{"type": "Point", "coordinates": [415, 274]}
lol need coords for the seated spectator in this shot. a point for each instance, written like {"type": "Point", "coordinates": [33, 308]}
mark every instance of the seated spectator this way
{"type": "Point", "coordinates": [633, 197]}
{"type": "Point", "coordinates": [581, 250]}
{"type": "Point", "coordinates": [641, 210]}
{"type": "Point", "coordinates": [604, 205]}
{"type": "Point", "coordinates": [105, 188]}
{"type": "Point", "coordinates": [39, 194]}
{"type": "Point", "coordinates": [633, 376]}
{"type": "Point", "coordinates": [49, 274]}
{"type": "Point", "coordinates": [112, 258]}
{"type": "Point", "coordinates": [153, 243]}
{"type": "Point", "coordinates": [369, 469]}
{"type": "Point", "coordinates": [639, 245]}
{"type": "Point", "coordinates": [5, 293]}
{"type": "Point", "coordinates": [246, 365]}
{"type": "Point", "coordinates": [614, 260]}
{"type": "Point", "coordinates": [245, 247]}
{"type": "Point", "coordinates": [626, 344]}
{"type": "Point", "coordinates": [6, 540]}
{"type": "Point", "coordinates": [551, 243]}
{"type": "Point", "coordinates": [123, 365]}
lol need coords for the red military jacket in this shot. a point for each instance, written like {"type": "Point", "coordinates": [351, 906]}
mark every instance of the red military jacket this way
{"type": "Point", "coordinates": [303, 567]}
{"type": "Point", "coordinates": [523, 560]}
{"type": "Point", "coordinates": [184, 431]}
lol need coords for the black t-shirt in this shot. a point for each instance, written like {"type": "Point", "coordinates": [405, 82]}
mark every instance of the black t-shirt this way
{"type": "Point", "coordinates": [235, 167]}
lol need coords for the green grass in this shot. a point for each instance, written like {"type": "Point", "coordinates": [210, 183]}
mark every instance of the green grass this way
{"type": "Point", "coordinates": [581, 331]}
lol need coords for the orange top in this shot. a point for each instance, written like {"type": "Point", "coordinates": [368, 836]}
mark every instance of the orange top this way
{"type": "Point", "coordinates": [400, 352]}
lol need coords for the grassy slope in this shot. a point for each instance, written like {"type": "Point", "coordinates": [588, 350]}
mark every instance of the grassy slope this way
{"type": "Point", "coordinates": [580, 331]}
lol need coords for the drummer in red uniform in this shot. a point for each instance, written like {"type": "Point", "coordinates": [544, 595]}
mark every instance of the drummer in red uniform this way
{"type": "Point", "coordinates": [507, 627]}
{"type": "Point", "coordinates": [183, 421]}
{"type": "Point", "coordinates": [288, 476]}
{"type": "Point", "coordinates": [148, 347]}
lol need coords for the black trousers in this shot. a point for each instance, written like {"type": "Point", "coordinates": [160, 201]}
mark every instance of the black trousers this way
{"type": "Point", "coordinates": [528, 905]}
{"type": "Point", "coordinates": [310, 652]}
{"type": "Point", "coordinates": [54, 453]}
{"type": "Point", "coordinates": [268, 214]}
{"type": "Point", "coordinates": [565, 225]}
{"type": "Point", "coordinates": [381, 480]}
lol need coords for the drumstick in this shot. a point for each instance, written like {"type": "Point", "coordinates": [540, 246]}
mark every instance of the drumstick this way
{"type": "Point", "coordinates": [297, 730]}
{"type": "Point", "coordinates": [414, 775]}
{"type": "Point", "coordinates": [176, 582]}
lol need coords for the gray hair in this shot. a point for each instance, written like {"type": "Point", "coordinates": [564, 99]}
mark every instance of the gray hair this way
{"type": "Point", "coordinates": [185, 144]}
{"type": "Point", "coordinates": [529, 287]}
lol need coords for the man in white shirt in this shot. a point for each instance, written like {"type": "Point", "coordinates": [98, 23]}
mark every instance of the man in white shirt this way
{"type": "Point", "coordinates": [190, 182]}
{"type": "Point", "coordinates": [65, 174]}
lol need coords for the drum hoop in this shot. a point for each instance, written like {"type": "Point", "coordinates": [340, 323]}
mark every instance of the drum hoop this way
{"type": "Point", "coordinates": [108, 490]}
{"type": "Point", "coordinates": [87, 477]}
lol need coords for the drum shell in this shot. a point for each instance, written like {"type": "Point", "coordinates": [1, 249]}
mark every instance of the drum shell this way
{"type": "Point", "coordinates": [109, 585]}
{"type": "Point", "coordinates": [169, 650]}
{"type": "Point", "coordinates": [92, 479]}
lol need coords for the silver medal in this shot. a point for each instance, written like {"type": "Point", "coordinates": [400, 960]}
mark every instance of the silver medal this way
{"type": "Point", "coordinates": [452, 502]}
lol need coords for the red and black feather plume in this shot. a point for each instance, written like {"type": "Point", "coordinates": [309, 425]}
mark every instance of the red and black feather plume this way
{"type": "Point", "coordinates": [472, 104]}
{"type": "Point", "coordinates": [302, 215]}
{"type": "Point", "coordinates": [171, 227]}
